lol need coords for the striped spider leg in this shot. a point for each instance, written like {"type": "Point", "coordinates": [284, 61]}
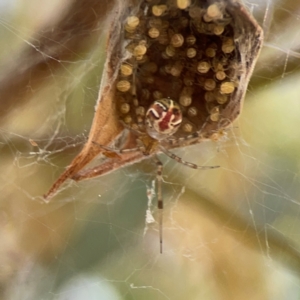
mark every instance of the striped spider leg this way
{"type": "Point", "coordinates": [162, 120]}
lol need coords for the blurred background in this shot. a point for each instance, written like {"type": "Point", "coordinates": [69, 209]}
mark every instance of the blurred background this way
{"type": "Point", "coordinates": [230, 233]}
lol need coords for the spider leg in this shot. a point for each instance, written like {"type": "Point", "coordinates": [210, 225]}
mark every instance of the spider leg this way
{"type": "Point", "coordinates": [118, 151]}
{"type": "Point", "coordinates": [135, 131]}
{"type": "Point", "coordinates": [160, 204]}
{"type": "Point", "coordinates": [186, 163]}
{"type": "Point", "coordinates": [109, 166]}
{"type": "Point", "coordinates": [140, 119]}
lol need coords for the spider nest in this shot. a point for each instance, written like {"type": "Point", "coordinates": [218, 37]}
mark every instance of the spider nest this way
{"type": "Point", "coordinates": [170, 63]}
{"type": "Point", "coordinates": [197, 53]}
{"type": "Point", "coordinates": [183, 51]}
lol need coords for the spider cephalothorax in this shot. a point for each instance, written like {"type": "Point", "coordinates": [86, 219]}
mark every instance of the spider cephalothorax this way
{"type": "Point", "coordinates": [163, 118]}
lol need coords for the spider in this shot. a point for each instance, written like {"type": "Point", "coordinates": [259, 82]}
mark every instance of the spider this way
{"type": "Point", "coordinates": [171, 79]}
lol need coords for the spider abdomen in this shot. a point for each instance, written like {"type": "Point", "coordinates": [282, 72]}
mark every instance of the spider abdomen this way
{"type": "Point", "coordinates": [163, 118]}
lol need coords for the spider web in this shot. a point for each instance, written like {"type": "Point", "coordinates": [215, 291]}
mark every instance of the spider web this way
{"type": "Point", "coordinates": [229, 233]}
